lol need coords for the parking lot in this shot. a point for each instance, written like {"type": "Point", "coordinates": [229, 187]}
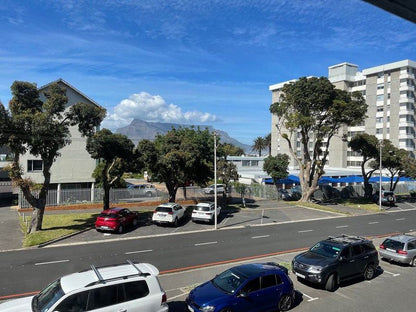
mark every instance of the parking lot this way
{"type": "Point", "coordinates": [390, 290]}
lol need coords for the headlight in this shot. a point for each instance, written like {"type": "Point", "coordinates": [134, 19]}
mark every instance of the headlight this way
{"type": "Point", "coordinates": [208, 309]}
{"type": "Point", "coordinates": [315, 270]}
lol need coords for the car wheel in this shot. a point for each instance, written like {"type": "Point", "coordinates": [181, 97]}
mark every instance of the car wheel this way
{"type": "Point", "coordinates": [175, 223]}
{"type": "Point", "coordinates": [331, 283]}
{"type": "Point", "coordinates": [369, 272]}
{"type": "Point", "coordinates": [120, 229]}
{"type": "Point", "coordinates": [285, 303]}
{"type": "Point", "coordinates": [413, 262]}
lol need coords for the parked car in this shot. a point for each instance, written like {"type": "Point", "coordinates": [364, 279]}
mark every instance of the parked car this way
{"type": "Point", "coordinates": [140, 190]}
{"type": "Point", "coordinates": [169, 213]}
{"type": "Point", "coordinates": [116, 220]}
{"type": "Point", "coordinates": [247, 287]}
{"type": "Point", "coordinates": [211, 189]}
{"type": "Point", "coordinates": [132, 287]}
{"type": "Point", "coordinates": [336, 259]}
{"type": "Point", "coordinates": [283, 194]}
{"type": "Point", "coordinates": [399, 248]}
{"type": "Point", "coordinates": [205, 212]}
{"type": "Point", "coordinates": [387, 198]}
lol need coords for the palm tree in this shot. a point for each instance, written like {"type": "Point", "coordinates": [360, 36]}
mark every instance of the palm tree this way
{"type": "Point", "coordinates": [259, 145]}
{"type": "Point", "coordinates": [268, 142]}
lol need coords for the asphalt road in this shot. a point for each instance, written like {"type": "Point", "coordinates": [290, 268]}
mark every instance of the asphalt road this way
{"type": "Point", "coordinates": [30, 270]}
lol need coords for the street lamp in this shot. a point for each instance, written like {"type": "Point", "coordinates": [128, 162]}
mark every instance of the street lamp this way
{"type": "Point", "coordinates": [381, 168]}
{"type": "Point", "coordinates": [215, 179]}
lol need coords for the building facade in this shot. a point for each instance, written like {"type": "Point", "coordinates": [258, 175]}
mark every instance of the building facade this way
{"type": "Point", "coordinates": [389, 91]}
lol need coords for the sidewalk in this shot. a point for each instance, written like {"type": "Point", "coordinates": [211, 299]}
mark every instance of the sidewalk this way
{"type": "Point", "coordinates": [10, 230]}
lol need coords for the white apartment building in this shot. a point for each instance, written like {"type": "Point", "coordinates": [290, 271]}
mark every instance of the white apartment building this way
{"type": "Point", "coordinates": [389, 91]}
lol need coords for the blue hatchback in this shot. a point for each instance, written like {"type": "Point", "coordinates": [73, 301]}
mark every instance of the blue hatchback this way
{"type": "Point", "coordinates": [249, 287]}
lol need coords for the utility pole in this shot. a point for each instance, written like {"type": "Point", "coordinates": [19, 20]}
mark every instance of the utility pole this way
{"type": "Point", "coordinates": [215, 179]}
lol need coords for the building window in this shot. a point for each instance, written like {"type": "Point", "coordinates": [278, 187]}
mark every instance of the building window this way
{"type": "Point", "coordinates": [379, 119]}
{"type": "Point", "coordinates": [246, 163]}
{"type": "Point", "coordinates": [380, 75]}
{"type": "Point", "coordinates": [380, 86]}
{"type": "Point", "coordinates": [380, 97]}
{"type": "Point", "coordinates": [380, 109]}
{"type": "Point", "coordinates": [34, 165]}
{"type": "Point", "coordinates": [379, 131]}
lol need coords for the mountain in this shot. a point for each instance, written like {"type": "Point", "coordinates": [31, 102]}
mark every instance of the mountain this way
{"type": "Point", "coordinates": [140, 130]}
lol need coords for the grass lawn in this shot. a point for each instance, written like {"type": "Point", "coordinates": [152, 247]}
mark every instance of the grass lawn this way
{"type": "Point", "coordinates": [57, 225]}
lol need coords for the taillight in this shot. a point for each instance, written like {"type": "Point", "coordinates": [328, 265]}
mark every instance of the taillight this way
{"type": "Point", "coordinates": [154, 212]}
{"type": "Point", "coordinates": [382, 246]}
{"type": "Point", "coordinates": [164, 298]}
{"type": "Point", "coordinates": [170, 212]}
{"type": "Point", "coordinates": [402, 252]}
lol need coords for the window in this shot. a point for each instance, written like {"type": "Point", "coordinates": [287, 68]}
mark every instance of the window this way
{"type": "Point", "coordinates": [356, 250]}
{"type": "Point", "coordinates": [34, 165]}
{"type": "Point", "coordinates": [379, 119]}
{"type": "Point", "coordinates": [136, 290]}
{"type": "Point", "coordinates": [74, 303]}
{"type": "Point", "coordinates": [246, 163]}
{"type": "Point", "coordinates": [380, 75]}
{"type": "Point", "coordinates": [380, 86]}
{"type": "Point", "coordinates": [105, 296]}
{"type": "Point", "coordinates": [251, 286]}
{"type": "Point", "coordinates": [380, 97]}
{"type": "Point", "coordinates": [411, 245]}
{"type": "Point", "coordinates": [380, 109]}
{"type": "Point", "coordinates": [268, 281]}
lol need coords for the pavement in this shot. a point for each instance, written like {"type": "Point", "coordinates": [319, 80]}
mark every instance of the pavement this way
{"type": "Point", "coordinates": [12, 234]}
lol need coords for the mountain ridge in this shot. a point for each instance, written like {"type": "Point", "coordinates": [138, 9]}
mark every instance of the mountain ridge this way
{"type": "Point", "coordinates": [139, 130]}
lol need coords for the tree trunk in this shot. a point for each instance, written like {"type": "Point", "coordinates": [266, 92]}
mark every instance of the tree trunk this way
{"type": "Point", "coordinates": [37, 219]}
{"type": "Point", "coordinates": [172, 188]}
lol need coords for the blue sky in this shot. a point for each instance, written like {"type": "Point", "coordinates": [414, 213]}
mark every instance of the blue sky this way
{"type": "Point", "coordinates": [191, 61]}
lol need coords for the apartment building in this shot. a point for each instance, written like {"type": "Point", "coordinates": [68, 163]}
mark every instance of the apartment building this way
{"type": "Point", "coordinates": [389, 91]}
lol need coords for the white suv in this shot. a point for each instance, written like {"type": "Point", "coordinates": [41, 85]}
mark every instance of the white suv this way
{"type": "Point", "coordinates": [169, 213]}
{"type": "Point", "coordinates": [205, 212]}
{"type": "Point", "coordinates": [127, 287]}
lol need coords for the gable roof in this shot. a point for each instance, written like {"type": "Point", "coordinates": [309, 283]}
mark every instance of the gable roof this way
{"type": "Point", "coordinates": [68, 85]}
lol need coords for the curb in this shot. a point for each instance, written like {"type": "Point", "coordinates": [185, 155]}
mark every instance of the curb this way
{"type": "Point", "coordinates": [61, 238]}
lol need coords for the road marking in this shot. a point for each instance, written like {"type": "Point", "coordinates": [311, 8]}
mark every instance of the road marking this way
{"type": "Point", "coordinates": [309, 297]}
{"type": "Point", "coordinates": [400, 219]}
{"type": "Point", "coordinates": [374, 222]}
{"type": "Point", "coordinates": [138, 251]}
{"type": "Point", "coordinates": [207, 243]}
{"type": "Point", "coordinates": [305, 231]}
{"type": "Point", "coordinates": [51, 262]}
{"type": "Point", "coordinates": [261, 236]}
{"type": "Point", "coordinates": [341, 226]}
{"type": "Point", "coordinates": [394, 274]}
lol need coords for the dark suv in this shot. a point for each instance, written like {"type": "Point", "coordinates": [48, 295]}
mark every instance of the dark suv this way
{"type": "Point", "coordinates": [336, 259]}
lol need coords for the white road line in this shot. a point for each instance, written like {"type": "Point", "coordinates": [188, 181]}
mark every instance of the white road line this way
{"type": "Point", "coordinates": [51, 262]}
{"type": "Point", "coordinates": [305, 231]}
{"type": "Point", "coordinates": [342, 226]}
{"type": "Point", "coordinates": [261, 236]}
{"type": "Point", "coordinates": [207, 243]}
{"type": "Point", "coordinates": [374, 222]}
{"type": "Point", "coordinates": [138, 251]}
{"type": "Point", "coordinates": [394, 274]}
{"type": "Point", "coordinates": [309, 297]}
{"type": "Point", "coordinates": [400, 219]}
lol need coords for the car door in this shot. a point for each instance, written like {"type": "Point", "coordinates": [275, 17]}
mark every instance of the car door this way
{"type": "Point", "coordinates": [360, 257]}
{"type": "Point", "coordinates": [249, 297]}
{"type": "Point", "coordinates": [180, 211]}
{"type": "Point", "coordinates": [347, 266]}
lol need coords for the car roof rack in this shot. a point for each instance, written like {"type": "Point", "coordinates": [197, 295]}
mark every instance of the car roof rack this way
{"type": "Point", "coordinates": [345, 238]}
{"type": "Point", "coordinates": [103, 280]}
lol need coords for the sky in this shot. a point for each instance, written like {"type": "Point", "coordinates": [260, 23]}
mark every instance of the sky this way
{"type": "Point", "coordinates": [207, 62]}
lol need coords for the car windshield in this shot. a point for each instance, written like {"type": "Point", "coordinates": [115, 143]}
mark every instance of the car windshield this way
{"type": "Point", "coordinates": [202, 208]}
{"type": "Point", "coordinates": [164, 209]}
{"type": "Point", "coordinates": [393, 244]}
{"type": "Point", "coordinates": [228, 281]}
{"type": "Point", "coordinates": [47, 297]}
{"type": "Point", "coordinates": [108, 215]}
{"type": "Point", "coordinates": [325, 249]}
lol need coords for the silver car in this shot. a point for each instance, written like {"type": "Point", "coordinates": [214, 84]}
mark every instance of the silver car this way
{"type": "Point", "coordinates": [399, 248]}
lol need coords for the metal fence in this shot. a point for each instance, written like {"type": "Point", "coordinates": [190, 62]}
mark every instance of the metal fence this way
{"type": "Point", "coordinates": [254, 191]}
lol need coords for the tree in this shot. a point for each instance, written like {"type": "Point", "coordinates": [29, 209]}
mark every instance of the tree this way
{"type": "Point", "coordinates": [313, 109]}
{"type": "Point", "coordinates": [268, 142]}
{"type": "Point", "coordinates": [259, 145]}
{"type": "Point", "coordinates": [367, 146]}
{"type": "Point", "coordinates": [180, 156]}
{"type": "Point", "coordinates": [42, 129]}
{"type": "Point", "coordinates": [115, 152]}
{"type": "Point", "coordinates": [226, 171]}
{"type": "Point", "coordinates": [228, 149]}
{"type": "Point", "coordinates": [277, 167]}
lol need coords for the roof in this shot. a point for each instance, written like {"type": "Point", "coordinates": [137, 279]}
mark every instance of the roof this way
{"type": "Point", "coordinates": [68, 85]}
{"type": "Point", "coordinates": [404, 8]}
{"type": "Point", "coordinates": [168, 205]}
{"type": "Point", "coordinates": [82, 279]}
{"type": "Point", "coordinates": [254, 269]}
{"type": "Point", "coordinates": [403, 237]}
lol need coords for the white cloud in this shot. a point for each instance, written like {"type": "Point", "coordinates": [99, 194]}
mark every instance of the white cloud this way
{"type": "Point", "coordinates": [152, 108]}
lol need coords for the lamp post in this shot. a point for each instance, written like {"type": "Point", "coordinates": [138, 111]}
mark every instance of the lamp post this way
{"type": "Point", "coordinates": [215, 179]}
{"type": "Point", "coordinates": [381, 168]}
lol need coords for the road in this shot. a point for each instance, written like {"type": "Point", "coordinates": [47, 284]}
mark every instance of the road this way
{"type": "Point", "coordinates": [30, 270]}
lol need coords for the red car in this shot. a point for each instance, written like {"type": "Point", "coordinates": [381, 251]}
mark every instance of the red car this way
{"type": "Point", "coordinates": [116, 220]}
